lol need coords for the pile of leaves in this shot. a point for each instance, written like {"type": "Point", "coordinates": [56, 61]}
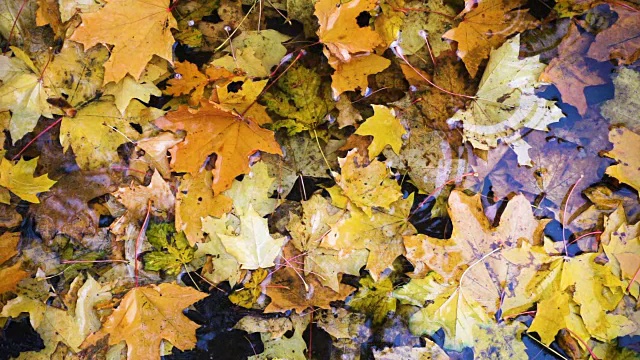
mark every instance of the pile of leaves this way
{"type": "Point", "coordinates": [330, 179]}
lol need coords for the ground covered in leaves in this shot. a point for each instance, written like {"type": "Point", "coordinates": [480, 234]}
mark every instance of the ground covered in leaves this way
{"type": "Point", "coordinates": [330, 179]}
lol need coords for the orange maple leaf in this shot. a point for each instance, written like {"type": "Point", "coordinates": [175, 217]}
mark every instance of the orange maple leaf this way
{"type": "Point", "coordinates": [136, 29]}
{"type": "Point", "coordinates": [339, 30]}
{"type": "Point", "coordinates": [486, 27]}
{"type": "Point", "coordinates": [192, 81]}
{"type": "Point", "coordinates": [147, 315]}
{"type": "Point", "coordinates": [214, 129]}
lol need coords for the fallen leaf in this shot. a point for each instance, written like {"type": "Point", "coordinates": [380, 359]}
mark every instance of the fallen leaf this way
{"type": "Point", "coordinates": [381, 233]}
{"type": "Point", "coordinates": [194, 201]}
{"type": "Point", "coordinates": [252, 191]}
{"type": "Point", "coordinates": [283, 347]}
{"type": "Point", "coordinates": [65, 209]}
{"type": "Point", "coordinates": [120, 23]}
{"type": "Point", "coordinates": [307, 232]}
{"type": "Point", "coordinates": [190, 81]}
{"type": "Point", "coordinates": [374, 299]}
{"type": "Point", "coordinates": [385, 128]}
{"type": "Point", "coordinates": [253, 247]}
{"type": "Point", "coordinates": [225, 266]}
{"type": "Point", "coordinates": [621, 40]}
{"type": "Point", "coordinates": [100, 125]}
{"type": "Point", "coordinates": [619, 110]}
{"type": "Point", "coordinates": [128, 88]}
{"type": "Point", "coordinates": [367, 185]}
{"type": "Point", "coordinates": [299, 96]}
{"type": "Point", "coordinates": [626, 148]}
{"type": "Point", "coordinates": [507, 103]}
{"type": "Point", "coordinates": [212, 129]}
{"type": "Point", "coordinates": [339, 31]}
{"type": "Point", "coordinates": [265, 45]}
{"type": "Point", "coordinates": [155, 310]}
{"type": "Point", "coordinates": [570, 71]}
{"type": "Point", "coordinates": [171, 249]}
{"type": "Point", "coordinates": [19, 179]}
{"type": "Point", "coordinates": [23, 93]}
{"type": "Point", "coordinates": [352, 75]}
{"type": "Point", "coordinates": [290, 289]}
{"type": "Point", "coordinates": [429, 352]}
{"type": "Point", "coordinates": [486, 27]}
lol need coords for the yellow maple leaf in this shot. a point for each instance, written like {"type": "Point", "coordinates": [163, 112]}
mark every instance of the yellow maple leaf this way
{"type": "Point", "coordinates": [627, 152]}
{"type": "Point", "coordinates": [18, 178]}
{"type": "Point", "coordinates": [195, 200]}
{"type": "Point", "coordinates": [366, 185]}
{"type": "Point", "coordinates": [136, 29]}
{"type": "Point", "coordinates": [146, 316]}
{"type": "Point", "coordinates": [385, 128]}
{"type": "Point", "coordinates": [254, 247]}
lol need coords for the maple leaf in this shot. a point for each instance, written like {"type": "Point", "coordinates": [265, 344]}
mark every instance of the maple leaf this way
{"type": "Point", "coordinates": [619, 110]}
{"type": "Point", "coordinates": [155, 151]}
{"type": "Point", "coordinates": [366, 186]}
{"type": "Point", "coordinates": [147, 315]}
{"type": "Point", "coordinates": [52, 324]}
{"type": "Point", "coordinates": [128, 88]}
{"type": "Point", "coordinates": [253, 247]}
{"type": "Point", "coordinates": [299, 96]}
{"type": "Point", "coordinates": [100, 125]}
{"type": "Point", "coordinates": [213, 129]}
{"type": "Point", "coordinates": [10, 276]}
{"type": "Point", "coordinates": [132, 27]}
{"type": "Point", "coordinates": [506, 102]}
{"type": "Point", "coordinates": [190, 81]}
{"type": "Point", "coordinates": [374, 299]}
{"type": "Point", "coordinates": [339, 31]}
{"type": "Point", "coordinates": [253, 191]}
{"type": "Point", "coordinates": [619, 41]}
{"type": "Point", "coordinates": [225, 266]}
{"type": "Point", "coordinates": [621, 244]}
{"type": "Point", "coordinates": [172, 250]}
{"type": "Point", "coordinates": [385, 128]}
{"type": "Point", "coordinates": [290, 289]}
{"type": "Point", "coordinates": [625, 150]}
{"type": "Point", "coordinates": [486, 27]}
{"type": "Point", "coordinates": [23, 92]}
{"type": "Point", "coordinates": [156, 198]}
{"type": "Point", "coordinates": [570, 71]}
{"type": "Point", "coordinates": [195, 200]}
{"type": "Point", "coordinates": [278, 346]}
{"type": "Point", "coordinates": [457, 313]}
{"type": "Point", "coordinates": [353, 75]}
{"type": "Point", "coordinates": [381, 233]}
{"type": "Point", "coordinates": [471, 240]}
{"type": "Point", "coordinates": [65, 209]}
{"type": "Point", "coordinates": [263, 45]}
{"type": "Point", "coordinates": [249, 295]}
{"type": "Point", "coordinates": [431, 351]}
{"type": "Point", "coordinates": [307, 233]}
{"type": "Point", "coordinates": [19, 179]}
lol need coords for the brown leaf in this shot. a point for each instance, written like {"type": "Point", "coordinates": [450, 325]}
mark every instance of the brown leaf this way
{"type": "Point", "coordinates": [620, 41]}
{"type": "Point", "coordinates": [288, 290]}
{"type": "Point", "coordinates": [65, 209]}
{"type": "Point", "coordinates": [569, 72]}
